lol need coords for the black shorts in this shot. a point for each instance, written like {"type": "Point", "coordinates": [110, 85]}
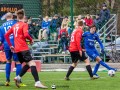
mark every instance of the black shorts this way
{"type": "Point", "coordinates": [76, 56]}
{"type": "Point", "coordinates": [24, 56]}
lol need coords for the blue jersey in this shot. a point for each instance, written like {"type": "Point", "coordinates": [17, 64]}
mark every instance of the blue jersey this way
{"type": "Point", "coordinates": [89, 40]}
{"type": "Point", "coordinates": [3, 29]}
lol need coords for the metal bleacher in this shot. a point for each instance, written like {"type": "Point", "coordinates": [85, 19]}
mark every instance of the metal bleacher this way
{"type": "Point", "coordinates": [48, 53]}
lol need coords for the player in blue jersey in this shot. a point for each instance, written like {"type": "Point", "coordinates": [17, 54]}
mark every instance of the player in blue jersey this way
{"type": "Point", "coordinates": [89, 43]}
{"type": "Point", "coordinates": [9, 55]}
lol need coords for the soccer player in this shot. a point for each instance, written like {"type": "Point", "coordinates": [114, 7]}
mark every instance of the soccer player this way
{"type": "Point", "coordinates": [76, 51]}
{"type": "Point", "coordinates": [3, 29]}
{"type": "Point", "coordinates": [20, 32]}
{"type": "Point", "coordinates": [89, 43]}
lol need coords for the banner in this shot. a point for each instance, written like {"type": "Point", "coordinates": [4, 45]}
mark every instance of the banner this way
{"type": "Point", "coordinates": [4, 8]}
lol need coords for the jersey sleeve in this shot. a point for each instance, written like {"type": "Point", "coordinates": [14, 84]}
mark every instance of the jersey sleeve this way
{"type": "Point", "coordinates": [84, 34]}
{"type": "Point", "coordinates": [78, 39]}
{"type": "Point", "coordinates": [99, 41]}
{"type": "Point", "coordinates": [9, 32]}
{"type": "Point", "coordinates": [25, 32]}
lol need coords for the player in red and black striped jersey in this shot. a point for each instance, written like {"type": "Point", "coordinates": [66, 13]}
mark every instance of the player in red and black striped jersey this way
{"type": "Point", "coordinates": [20, 32]}
{"type": "Point", "coordinates": [77, 52]}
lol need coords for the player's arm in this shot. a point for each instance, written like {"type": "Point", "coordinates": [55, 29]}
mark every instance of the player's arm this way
{"type": "Point", "coordinates": [78, 39]}
{"type": "Point", "coordinates": [1, 36]}
{"type": "Point", "coordinates": [84, 34]}
{"type": "Point", "coordinates": [9, 32]}
{"type": "Point", "coordinates": [101, 45]}
{"type": "Point", "coordinates": [26, 34]}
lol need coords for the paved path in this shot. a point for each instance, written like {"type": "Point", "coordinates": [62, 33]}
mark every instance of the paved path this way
{"type": "Point", "coordinates": [64, 67]}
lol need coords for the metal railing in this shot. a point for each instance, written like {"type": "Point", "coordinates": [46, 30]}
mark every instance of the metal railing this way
{"type": "Point", "coordinates": [109, 30]}
{"type": "Point", "coordinates": [109, 26]}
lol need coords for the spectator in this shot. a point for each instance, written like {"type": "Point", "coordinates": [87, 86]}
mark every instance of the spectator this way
{"type": "Point", "coordinates": [65, 23]}
{"type": "Point", "coordinates": [97, 22]}
{"type": "Point", "coordinates": [39, 22]}
{"type": "Point", "coordinates": [55, 26]}
{"type": "Point", "coordinates": [32, 28]}
{"type": "Point", "coordinates": [104, 14]}
{"type": "Point", "coordinates": [69, 28]}
{"type": "Point", "coordinates": [44, 32]}
{"type": "Point", "coordinates": [63, 30]}
{"type": "Point", "coordinates": [63, 43]}
{"type": "Point", "coordinates": [88, 20]}
{"type": "Point", "coordinates": [79, 18]}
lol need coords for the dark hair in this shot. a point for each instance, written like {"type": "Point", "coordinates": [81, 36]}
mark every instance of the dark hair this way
{"type": "Point", "coordinates": [20, 14]}
{"type": "Point", "coordinates": [66, 17]}
{"type": "Point", "coordinates": [92, 26]}
{"type": "Point", "coordinates": [104, 5]}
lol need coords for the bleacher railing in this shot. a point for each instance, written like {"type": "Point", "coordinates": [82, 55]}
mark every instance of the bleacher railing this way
{"type": "Point", "coordinates": [109, 30]}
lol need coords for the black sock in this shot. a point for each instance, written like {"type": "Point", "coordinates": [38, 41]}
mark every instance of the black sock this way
{"type": "Point", "coordinates": [89, 69]}
{"type": "Point", "coordinates": [24, 70]}
{"type": "Point", "coordinates": [34, 73]}
{"type": "Point", "coordinates": [69, 71]}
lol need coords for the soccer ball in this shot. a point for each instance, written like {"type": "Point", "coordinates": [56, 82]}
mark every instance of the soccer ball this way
{"type": "Point", "coordinates": [53, 86]}
{"type": "Point", "coordinates": [111, 73]}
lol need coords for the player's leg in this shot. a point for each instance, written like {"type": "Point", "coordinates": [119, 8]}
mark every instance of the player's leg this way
{"type": "Point", "coordinates": [8, 66]}
{"type": "Point", "coordinates": [104, 64]}
{"type": "Point", "coordinates": [18, 64]}
{"type": "Point", "coordinates": [25, 67]}
{"type": "Point", "coordinates": [75, 58]}
{"type": "Point", "coordinates": [88, 67]}
{"type": "Point", "coordinates": [96, 68]}
{"type": "Point", "coordinates": [93, 54]}
{"type": "Point", "coordinates": [32, 65]}
{"type": "Point", "coordinates": [87, 62]}
{"type": "Point", "coordinates": [70, 70]}
{"type": "Point", "coordinates": [99, 60]}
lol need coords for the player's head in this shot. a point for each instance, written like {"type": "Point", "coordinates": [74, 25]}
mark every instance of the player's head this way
{"type": "Point", "coordinates": [9, 16]}
{"type": "Point", "coordinates": [92, 29]}
{"type": "Point", "coordinates": [20, 14]}
{"type": "Point", "coordinates": [80, 23]}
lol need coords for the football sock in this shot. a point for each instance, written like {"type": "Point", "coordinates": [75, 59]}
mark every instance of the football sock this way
{"type": "Point", "coordinates": [8, 70]}
{"type": "Point", "coordinates": [105, 65]}
{"type": "Point", "coordinates": [69, 71]}
{"type": "Point", "coordinates": [18, 69]}
{"type": "Point", "coordinates": [89, 69]}
{"type": "Point", "coordinates": [34, 73]}
{"type": "Point", "coordinates": [24, 70]}
{"type": "Point", "coordinates": [96, 68]}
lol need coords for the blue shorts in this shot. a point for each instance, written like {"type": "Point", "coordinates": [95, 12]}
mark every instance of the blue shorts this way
{"type": "Point", "coordinates": [9, 55]}
{"type": "Point", "coordinates": [93, 53]}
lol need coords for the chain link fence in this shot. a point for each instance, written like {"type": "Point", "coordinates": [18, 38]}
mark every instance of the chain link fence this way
{"type": "Point", "coordinates": [80, 7]}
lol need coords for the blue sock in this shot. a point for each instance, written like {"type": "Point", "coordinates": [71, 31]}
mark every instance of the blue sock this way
{"type": "Point", "coordinates": [8, 70]}
{"type": "Point", "coordinates": [105, 65]}
{"type": "Point", "coordinates": [18, 69]}
{"type": "Point", "coordinates": [96, 68]}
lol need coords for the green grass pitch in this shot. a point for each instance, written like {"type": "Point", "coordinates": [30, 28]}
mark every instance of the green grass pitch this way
{"type": "Point", "coordinates": [79, 81]}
